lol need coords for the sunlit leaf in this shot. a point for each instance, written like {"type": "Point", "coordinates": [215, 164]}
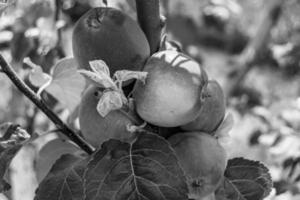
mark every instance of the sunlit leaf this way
{"type": "Point", "coordinates": [125, 75]}
{"type": "Point", "coordinates": [67, 84]}
{"type": "Point", "coordinates": [109, 101]}
{"type": "Point", "coordinates": [102, 81]}
{"type": "Point", "coordinates": [99, 67]}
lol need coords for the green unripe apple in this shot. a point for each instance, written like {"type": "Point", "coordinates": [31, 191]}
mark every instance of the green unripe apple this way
{"type": "Point", "coordinates": [203, 160]}
{"type": "Point", "coordinates": [112, 36]}
{"type": "Point", "coordinates": [172, 92]}
{"type": "Point", "coordinates": [97, 129]}
{"type": "Point", "coordinates": [212, 111]}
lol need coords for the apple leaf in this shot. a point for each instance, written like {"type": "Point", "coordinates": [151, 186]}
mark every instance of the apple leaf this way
{"type": "Point", "coordinates": [125, 75]}
{"type": "Point", "coordinates": [245, 180]}
{"type": "Point", "coordinates": [37, 77]}
{"type": "Point", "coordinates": [99, 67]}
{"type": "Point", "coordinates": [50, 152]}
{"type": "Point", "coordinates": [100, 75]}
{"type": "Point", "coordinates": [222, 132]}
{"type": "Point", "coordinates": [67, 84]}
{"type": "Point", "coordinates": [109, 101]}
{"type": "Point", "coordinates": [145, 168]}
{"type": "Point", "coordinates": [6, 157]}
{"type": "Point", "coordinates": [100, 80]}
{"type": "Point", "coordinates": [64, 181]}
{"type": "Point", "coordinates": [4, 4]}
{"type": "Point", "coordinates": [11, 141]}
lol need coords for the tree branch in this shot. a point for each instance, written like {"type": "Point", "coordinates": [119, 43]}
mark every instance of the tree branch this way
{"type": "Point", "coordinates": [150, 21]}
{"type": "Point", "coordinates": [258, 44]}
{"type": "Point", "coordinates": [7, 69]}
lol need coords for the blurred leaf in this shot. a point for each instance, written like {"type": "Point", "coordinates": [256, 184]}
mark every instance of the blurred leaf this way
{"type": "Point", "coordinates": [11, 140]}
{"type": "Point", "coordinates": [64, 181]}
{"type": "Point", "coordinates": [145, 168]}
{"type": "Point", "coordinates": [245, 180]}
{"type": "Point", "coordinates": [6, 157]}
{"type": "Point", "coordinates": [5, 4]}
{"type": "Point", "coordinates": [281, 186]}
{"type": "Point", "coordinates": [21, 45]}
{"type": "Point", "coordinates": [50, 152]}
{"type": "Point", "coordinates": [222, 133]}
{"type": "Point", "coordinates": [66, 85]}
{"type": "Point", "coordinates": [6, 93]}
{"type": "Point", "coordinates": [37, 77]}
{"type": "Point", "coordinates": [254, 138]}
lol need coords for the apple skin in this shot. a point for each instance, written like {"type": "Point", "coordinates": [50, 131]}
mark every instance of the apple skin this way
{"type": "Point", "coordinates": [97, 129]}
{"type": "Point", "coordinates": [203, 160]}
{"type": "Point", "coordinates": [212, 111]}
{"type": "Point", "coordinates": [112, 36]}
{"type": "Point", "coordinates": [172, 93]}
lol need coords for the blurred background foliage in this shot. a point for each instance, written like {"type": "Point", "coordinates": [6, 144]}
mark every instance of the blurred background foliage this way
{"type": "Point", "coordinates": [263, 91]}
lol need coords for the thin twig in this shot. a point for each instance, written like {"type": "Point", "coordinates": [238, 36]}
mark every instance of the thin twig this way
{"type": "Point", "coordinates": [150, 21]}
{"type": "Point", "coordinates": [7, 69]}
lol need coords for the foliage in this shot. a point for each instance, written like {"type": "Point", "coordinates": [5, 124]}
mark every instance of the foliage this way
{"type": "Point", "coordinates": [257, 71]}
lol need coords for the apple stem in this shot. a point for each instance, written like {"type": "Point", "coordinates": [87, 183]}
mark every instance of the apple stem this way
{"type": "Point", "coordinates": [150, 22]}
{"type": "Point", "coordinates": [11, 74]}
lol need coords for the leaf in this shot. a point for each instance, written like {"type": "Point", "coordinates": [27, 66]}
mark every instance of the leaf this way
{"type": "Point", "coordinates": [11, 140]}
{"type": "Point", "coordinates": [109, 101]}
{"type": "Point", "coordinates": [125, 75]}
{"type": "Point", "coordinates": [6, 157]}
{"type": "Point", "coordinates": [11, 135]}
{"type": "Point", "coordinates": [36, 76]}
{"type": "Point", "coordinates": [222, 133]}
{"type": "Point", "coordinates": [99, 67]}
{"type": "Point", "coordinates": [21, 46]}
{"type": "Point", "coordinates": [67, 85]}
{"type": "Point", "coordinates": [145, 168]}
{"type": "Point", "coordinates": [100, 75]}
{"type": "Point", "coordinates": [49, 153]}
{"type": "Point", "coordinates": [102, 81]}
{"type": "Point", "coordinates": [64, 181]}
{"type": "Point", "coordinates": [245, 180]}
{"type": "Point", "coordinates": [4, 4]}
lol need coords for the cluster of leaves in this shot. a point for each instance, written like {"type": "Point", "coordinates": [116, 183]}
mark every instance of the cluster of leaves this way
{"type": "Point", "coordinates": [145, 168]}
{"type": "Point", "coordinates": [279, 135]}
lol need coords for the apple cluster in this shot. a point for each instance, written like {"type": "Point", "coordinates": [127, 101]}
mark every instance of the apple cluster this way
{"type": "Point", "coordinates": [176, 98]}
